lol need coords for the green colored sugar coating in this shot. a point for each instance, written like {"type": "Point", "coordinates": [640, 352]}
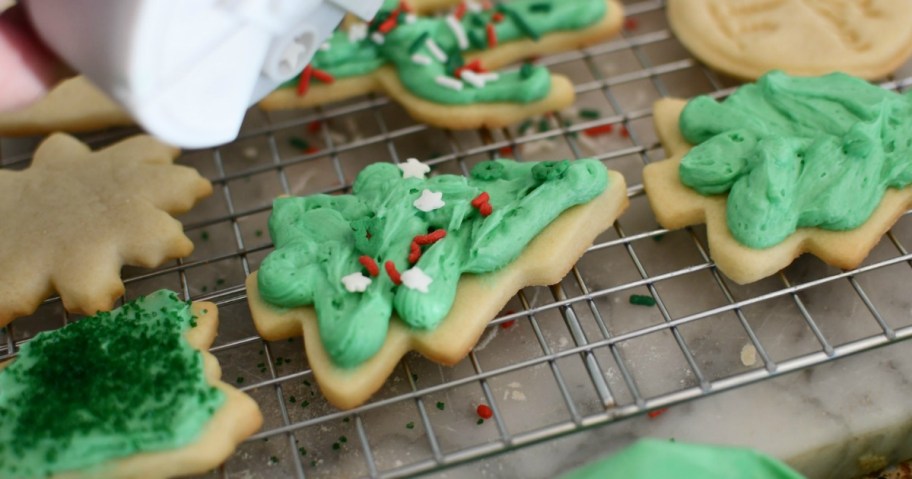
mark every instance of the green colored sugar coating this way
{"type": "Point", "coordinates": [103, 388]}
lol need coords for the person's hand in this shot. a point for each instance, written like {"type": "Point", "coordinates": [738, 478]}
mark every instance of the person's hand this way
{"type": "Point", "coordinates": [27, 68]}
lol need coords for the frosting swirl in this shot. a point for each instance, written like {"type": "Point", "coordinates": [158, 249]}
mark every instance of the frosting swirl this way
{"type": "Point", "coordinates": [479, 225]}
{"type": "Point", "coordinates": [796, 152]}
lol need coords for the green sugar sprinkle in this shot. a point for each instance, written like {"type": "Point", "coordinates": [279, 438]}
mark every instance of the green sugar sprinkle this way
{"type": "Point", "coordinates": [273, 460]}
{"type": "Point", "coordinates": [343, 439]}
{"type": "Point", "coordinates": [418, 43]}
{"type": "Point", "coordinates": [336, 446]}
{"type": "Point", "coordinates": [524, 126]}
{"type": "Point", "coordinates": [204, 235]}
{"type": "Point", "coordinates": [299, 143]}
{"type": "Point", "coordinates": [240, 380]}
{"type": "Point", "coordinates": [313, 463]}
{"type": "Point", "coordinates": [642, 300]}
{"type": "Point", "coordinates": [479, 421]}
{"type": "Point", "coordinates": [346, 419]}
{"type": "Point", "coordinates": [305, 403]}
{"type": "Point", "coordinates": [126, 380]}
{"type": "Point", "coordinates": [219, 282]}
{"type": "Point", "coordinates": [302, 451]}
{"type": "Point", "coordinates": [526, 70]}
{"type": "Point", "coordinates": [414, 377]}
{"type": "Point", "coordinates": [543, 125]}
{"type": "Point", "coordinates": [258, 233]}
{"type": "Point", "coordinates": [590, 114]}
{"type": "Point", "coordinates": [306, 383]}
{"type": "Point", "coordinates": [441, 405]}
{"type": "Point", "coordinates": [292, 399]}
{"type": "Point", "coordinates": [410, 425]}
{"type": "Point", "coordinates": [540, 7]}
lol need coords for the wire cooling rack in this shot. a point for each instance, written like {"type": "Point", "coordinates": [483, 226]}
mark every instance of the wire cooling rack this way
{"type": "Point", "coordinates": [559, 360]}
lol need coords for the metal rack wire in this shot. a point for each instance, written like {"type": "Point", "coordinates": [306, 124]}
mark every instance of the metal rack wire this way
{"type": "Point", "coordinates": [576, 354]}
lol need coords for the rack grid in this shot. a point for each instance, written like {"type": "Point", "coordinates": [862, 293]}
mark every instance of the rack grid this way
{"type": "Point", "coordinates": [559, 360]}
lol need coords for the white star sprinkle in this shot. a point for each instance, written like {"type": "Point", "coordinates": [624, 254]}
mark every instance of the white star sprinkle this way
{"type": "Point", "coordinates": [357, 32]}
{"type": "Point", "coordinates": [415, 278]}
{"type": "Point", "coordinates": [356, 282]}
{"type": "Point", "coordinates": [429, 201]}
{"type": "Point", "coordinates": [412, 168]}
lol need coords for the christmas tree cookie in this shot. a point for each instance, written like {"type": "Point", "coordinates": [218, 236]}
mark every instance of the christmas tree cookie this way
{"type": "Point", "coordinates": [442, 69]}
{"type": "Point", "coordinates": [411, 262]}
{"type": "Point", "coordinates": [785, 166]}
{"type": "Point", "coordinates": [126, 394]}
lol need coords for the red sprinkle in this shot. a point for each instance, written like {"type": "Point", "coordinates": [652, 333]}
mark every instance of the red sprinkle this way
{"type": "Point", "coordinates": [414, 253]}
{"type": "Point", "coordinates": [405, 7]}
{"type": "Point", "coordinates": [481, 199]}
{"type": "Point", "coordinates": [369, 264]}
{"type": "Point", "coordinates": [311, 150]}
{"type": "Point", "coordinates": [322, 75]}
{"type": "Point", "coordinates": [656, 413]}
{"type": "Point", "coordinates": [625, 132]}
{"type": "Point", "coordinates": [393, 272]}
{"type": "Point", "coordinates": [497, 17]}
{"type": "Point", "coordinates": [390, 23]}
{"type": "Point", "coordinates": [492, 36]}
{"type": "Point", "coordinates": [475, 66]}
{"type": "Point", "coordinates": [507, 324]}
{"type": "Point", "coordinates": [430, 238]}
{"type": "Point", "coordinates": [506, 151]}
{"type": "Point", "coordinates": [631, 23]}
{"type": "Point", "coordinates": [304, 80]}
{"type": "Point", "coordinates": [484, 411]}
{"type": "Point", "coordinates": [486, 209]}
{"type": "Point", "coordinates": [314, 126]}
{"type": "Point", "coordinates": [599, 130]}
{"type": "Point", "coordinates": [460, 11]}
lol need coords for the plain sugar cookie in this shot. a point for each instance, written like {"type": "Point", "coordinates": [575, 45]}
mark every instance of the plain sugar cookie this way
{"type": "Point", "coordinates": [747, 38]}
{"type": "Point", "coordinates": [75, 217]}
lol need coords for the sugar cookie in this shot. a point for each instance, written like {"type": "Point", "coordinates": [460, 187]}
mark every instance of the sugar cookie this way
{"type": "Point", "coordinates": [438, 68]}
{"type": "Point", "coordinates": [415, 263]}
{"type": "Point", "coordinates": [747, 38]}
{"type": "Point", "coordinates": [786, 166]}
{"type": "Point", "coordinates": [76, 216]}
{"type": "Point", "coordinates": [127, 394]}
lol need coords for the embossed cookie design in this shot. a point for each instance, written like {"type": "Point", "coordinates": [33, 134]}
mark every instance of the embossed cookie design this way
{"type": "Point", "coordinates": [747, 38]}
{"type": "Point", "coordinates": [76, 216]}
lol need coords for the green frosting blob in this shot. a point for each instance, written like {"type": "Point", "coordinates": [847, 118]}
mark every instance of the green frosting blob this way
{"type": "Point", "coordinates": [343, 57]}
{"type": "Point", "coordinates": [103, 388]}
{"type": "Point", "coordinates": [797, 152]}
{"type": "Point", "coordinates": [319, 240]}
{"type": "Point", "coordinates": [655, 459]}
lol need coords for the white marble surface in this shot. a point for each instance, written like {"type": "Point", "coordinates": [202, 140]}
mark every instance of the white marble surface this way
{"type": "Point", "coordinates": [831, 421]}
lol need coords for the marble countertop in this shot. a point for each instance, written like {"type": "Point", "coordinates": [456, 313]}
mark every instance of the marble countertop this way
{"type": "Point", "coordinates": [838, 420]}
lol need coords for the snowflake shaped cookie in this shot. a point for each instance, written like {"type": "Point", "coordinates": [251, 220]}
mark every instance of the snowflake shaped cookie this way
{"type": "Point", "coordinates": [76, 216]}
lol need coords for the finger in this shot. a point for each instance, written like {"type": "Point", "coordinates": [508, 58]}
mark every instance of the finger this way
{"type": "Point", "coordinates": [27, 68]}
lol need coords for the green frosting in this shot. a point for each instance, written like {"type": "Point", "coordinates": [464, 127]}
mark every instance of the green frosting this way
{"type": "Point", "coordinates": [797, 152]}
{"type": "Point", "coordinates": [521, 19]}
{"type": "Point", "coordinates": [319, 240]}
{"type": "Point", "coordinates": [104, 388]}
{"type": "Point", "coordinates": [655, 459]}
